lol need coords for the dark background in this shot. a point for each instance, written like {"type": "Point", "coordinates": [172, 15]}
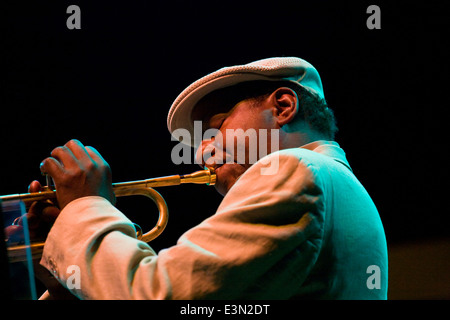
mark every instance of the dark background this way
{"type": "Point", "coordinates": [111, 84]}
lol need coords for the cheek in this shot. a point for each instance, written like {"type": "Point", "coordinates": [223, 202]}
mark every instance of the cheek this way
{"type": "Point", "coordinates": [240, 133]}
{"type": "Point", "coordinates": [268, 118]}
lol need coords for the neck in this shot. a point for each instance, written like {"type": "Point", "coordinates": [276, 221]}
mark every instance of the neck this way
{"type": "Point", "coordinates": [299, 138]}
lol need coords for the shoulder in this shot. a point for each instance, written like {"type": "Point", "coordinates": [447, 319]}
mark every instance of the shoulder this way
{"type": "Point", "coordinates": [280, 175]}
{"type": "Point", "coordinates": [284, 196]}
{"type": "Point", "coordinates": [307, 157]}
{"type": "Point", "coordinates": [286, 163]}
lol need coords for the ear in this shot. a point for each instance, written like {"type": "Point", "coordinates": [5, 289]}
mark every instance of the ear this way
{"type": "Point", "coordinates": [285, 102]}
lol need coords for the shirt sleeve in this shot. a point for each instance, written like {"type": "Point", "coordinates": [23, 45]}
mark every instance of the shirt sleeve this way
{"type": "Point", "coordinates": [261, 243]}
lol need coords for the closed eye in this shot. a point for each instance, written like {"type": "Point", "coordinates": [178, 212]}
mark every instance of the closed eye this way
{"type": "Point", "coordinates": [217, 120]}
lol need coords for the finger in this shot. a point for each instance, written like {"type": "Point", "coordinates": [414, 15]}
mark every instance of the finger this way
{"type": "Point", "coordinates": [34, 186]}
{"type": "Point", "coordinates": [52, 167]}
{"type": "Point", "coordinates": [79, 151]}
{"type": "Point", "coordinates": [14, 233]}
{"type": "Point", "coordinates": [50, 213]}
{"type": "Point", "coordinates": [64, 156]}
{"type": "Point", "coordinates": [95, 155]}
{"type": "Point", "coordinates": [33, 214]}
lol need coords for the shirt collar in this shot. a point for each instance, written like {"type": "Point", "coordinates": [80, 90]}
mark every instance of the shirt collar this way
{"type": "Point", "coordinates": [330, 149]}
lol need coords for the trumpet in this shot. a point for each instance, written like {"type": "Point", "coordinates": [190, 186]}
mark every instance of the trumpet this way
{"type": "Point", "coordinates": [122, 189]}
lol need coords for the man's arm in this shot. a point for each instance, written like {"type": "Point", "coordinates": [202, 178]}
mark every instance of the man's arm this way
{"type": "Point", "coordinates": [261, 243]}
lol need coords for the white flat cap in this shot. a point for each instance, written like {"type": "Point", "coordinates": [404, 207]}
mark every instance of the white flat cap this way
{"type": "Point", "coordinates": [291, 69]}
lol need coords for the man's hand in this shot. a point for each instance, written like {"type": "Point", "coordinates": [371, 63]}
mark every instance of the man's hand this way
{"type": "Point", "coordinates": [77, 172]}
{"type": "Point", "coordinates": [40, 216]}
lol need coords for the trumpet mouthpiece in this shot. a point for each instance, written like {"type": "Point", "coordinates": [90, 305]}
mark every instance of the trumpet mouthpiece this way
{"type": "Point", "coordinates": [207, 176]}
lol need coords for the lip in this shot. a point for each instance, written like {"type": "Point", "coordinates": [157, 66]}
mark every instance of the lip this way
{"type": "Point", "coordinates": [216, 167]}
{"type": "Point", "coordinates": [220, 166]}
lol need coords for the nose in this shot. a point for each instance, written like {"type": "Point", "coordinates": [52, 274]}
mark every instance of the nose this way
{"type": "Point", "coordinates": [211, 153]}
{"type": "Point", "coordinates": [203, 152]}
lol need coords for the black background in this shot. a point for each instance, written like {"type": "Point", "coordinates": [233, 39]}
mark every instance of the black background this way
{"type": "Point", "coordinates": [111, 84]}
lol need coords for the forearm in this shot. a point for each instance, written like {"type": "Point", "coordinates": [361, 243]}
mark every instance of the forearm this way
{"type": "Point", "coordinates": [85, 236]}
{"type": "Point", "coordinates": [253, 247]}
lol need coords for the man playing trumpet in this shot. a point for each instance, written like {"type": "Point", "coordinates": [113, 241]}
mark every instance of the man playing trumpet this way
{"type": "Point", "coordinates": [307, 229]}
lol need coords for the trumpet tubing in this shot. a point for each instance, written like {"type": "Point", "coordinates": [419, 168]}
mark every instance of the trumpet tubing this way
{"type": "Point", "coordinates": [122, 189]}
